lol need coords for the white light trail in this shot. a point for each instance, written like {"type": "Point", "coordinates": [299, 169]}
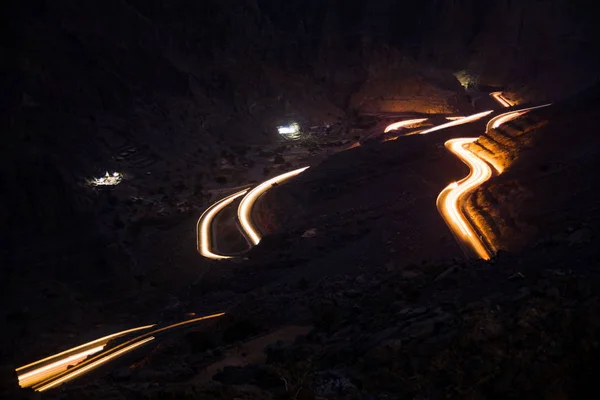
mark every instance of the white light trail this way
{"type": "Point", "coordinates": [461, 121]}
{"type": "Point", "coordinates": [403, 124]}
{"type": "Point", "coordinates": [449, 200]}
{"type": "Point", "coordinates": [204, 226]}
{"type": "Point", "coordinates": [247, 203]}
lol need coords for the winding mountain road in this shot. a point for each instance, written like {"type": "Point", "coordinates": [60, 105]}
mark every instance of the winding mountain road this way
{"type": "Point", "coordinates": [62, 367]}
{"type": "Point", "coordinates": [57, 369]}
{"type": "Point", "coordinates": [450, 200]}
{"type": "Point", "coordinates": [204, 227]}
{"type": "Point", "coordinates": [499, 97]}
{"type": "Point", "coordinates": [250, 229]}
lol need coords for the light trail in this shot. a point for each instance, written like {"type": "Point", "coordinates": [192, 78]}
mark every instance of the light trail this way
{"type": "Point", "coordinates": [247, 203]}
{"type": "Point", "coordinates": [457, 122]}
{"type": "Point", "coordinates": [450, 199]}
{"type": "Point", "coordinates": [43, 373]}
{"type": "Point", "coordinates": [58, 363]}
{"type": "Point", "coordinates": [499, 97]}
{"type": "Point", "coordinates": [75, 373]}
{"type": "Point", "coordinates": [495, 122]}
{"type": "Point", "coordinates": [403, 124]}
{"type": "Point", "coordinates": [204, 225]}
{"type": "Point", "coordinates": [102, 358]}
{"type": "Point", "coordinates": [454, 121]}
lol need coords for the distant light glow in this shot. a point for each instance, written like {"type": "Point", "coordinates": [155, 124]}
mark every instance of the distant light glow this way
{"type": "Point", "coordinates": [292, 129]}
{"type": "Point", "coordinates": [108, 179]}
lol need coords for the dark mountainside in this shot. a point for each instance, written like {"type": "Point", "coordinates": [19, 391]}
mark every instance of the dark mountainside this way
{"type": "Point", "coordinates": [343, 313]}
{"type": "Point", "coordinates": [168, 93]}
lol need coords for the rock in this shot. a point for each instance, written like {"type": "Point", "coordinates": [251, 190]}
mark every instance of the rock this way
{"type": "Point", "coordinates": [581, 236]}
{"type": "Point", "coordinates": [276, 352]}
{"type": "Point", "coordinates": [305, 394]}
{"type": "Point", "coordinates": [523, 292]}
{"type": "Point", "coordinates": [8, 380]}
{"type": "Point", "coordinates": [385, 352]}
{"type": "Point", "coordinates": [310, 233]}
{"type": "Point", "coordinates": [413, 312]}
{"type": "Point", "coordinates": [240, 330]}
{"type": "Point", "coordinates": [426, 327]}
{"type": "Point", "coordinates": [410, 274]}
{"type": "Point", "coordinates": [234, 375]}
{"type": "Point", "coordinates": [352, 294]}
{"type": "Point", "coordinates": [200, 341]}
{"type": "Point", "coordinates": [121, 374]}
{"type": "Point", "coordinates": [380, 337]}
{"type": "Point", "coordinates": [258, 375]}
{"type": "Point", "coordinates": [553, 293]}
{"type": "Point", "coordinates": [331, 383]}
{"type": "Point", "coordinates": [445, 273]}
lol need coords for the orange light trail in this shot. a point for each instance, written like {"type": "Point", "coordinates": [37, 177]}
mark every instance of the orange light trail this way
{"type": "Point", "coordinates": [102, 358]}
{"type": "Point", "coordinates": [450, 198]}
{"type": "Point", "coordinates": [47, 371]}
{"type": "Point", "coordinates": [75, 373]}
{"type": "Point", "coordinates": [497, 121]}
{"type": "Point", "coordinates": [63, 359]}
{"type": "Point", "coordinates": [499, 97]}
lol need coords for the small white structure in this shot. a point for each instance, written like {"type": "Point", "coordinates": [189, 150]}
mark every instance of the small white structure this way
{"type": "Point", "coordinates": [289, 131]}
{"type": "Point", "coordinates": [108, 179]}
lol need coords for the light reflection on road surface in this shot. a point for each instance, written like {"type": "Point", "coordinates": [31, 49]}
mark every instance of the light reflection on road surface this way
{"type": "Point", "coordinates": [247, 203]}
{"type": "Point", "coordinates": [204, 226]}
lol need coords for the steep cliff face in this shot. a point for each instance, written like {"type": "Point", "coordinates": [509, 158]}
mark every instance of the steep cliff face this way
{"type": "Point", "coordinates": [542, 50]}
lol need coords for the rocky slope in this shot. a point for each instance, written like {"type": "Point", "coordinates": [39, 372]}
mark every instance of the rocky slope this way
{"type": "Point", "coordinates": [548, 177]}
{"type": "Point", "coordinates": [164, 94]}
{"type": "Point", "coordinates": [343, 317]}
{"type": "Point", "coordinates": [522, 326]}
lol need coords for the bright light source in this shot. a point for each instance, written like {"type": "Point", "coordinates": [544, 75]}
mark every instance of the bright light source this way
{"type": "Point", "coordinates": [292, 129]}
{"type": "Point", "coordinates": [461, 121]}
{"type": "Point", "coordinates": [404, 124]}
{"type": "Point", "coordinates": [108, 179]}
